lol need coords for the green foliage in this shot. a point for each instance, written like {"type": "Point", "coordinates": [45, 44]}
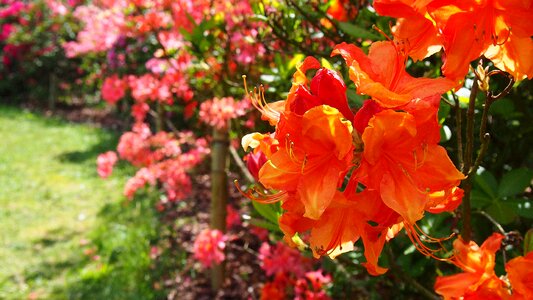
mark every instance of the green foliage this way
{"type": "Point", "coordinates": [502, 201]}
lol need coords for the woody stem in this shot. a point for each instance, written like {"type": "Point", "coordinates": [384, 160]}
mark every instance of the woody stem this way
{"type": "Point", "coordinates": [467, 160]}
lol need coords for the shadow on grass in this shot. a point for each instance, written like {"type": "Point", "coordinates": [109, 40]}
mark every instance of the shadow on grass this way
{"type": "Point", "coordinates": [53, 237]}
{"type": "Point", "coordinates": [120, 267]}
{"type": "Point", "coordinates": [90, 154]}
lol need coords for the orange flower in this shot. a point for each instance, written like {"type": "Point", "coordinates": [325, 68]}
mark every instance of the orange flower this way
{"type": "Point", "coordinates": [414, 32]}
{"type": "Point", "coordinates": [315, 151]}
{"type": "Point", "coordinates": [344, 221]}
{"type": "Point", "coordinates": [471, 28]}
{"type": "Point", "coordinates": [401, 166]}
{"type": "Point", "coordinates": [500, 30]}
{"type": "Point", "coordinates": [520, 274]}
{"type": "Point", "coordinates": [478, 280]}
{"type": "Point", "coordinates": [382, 75]}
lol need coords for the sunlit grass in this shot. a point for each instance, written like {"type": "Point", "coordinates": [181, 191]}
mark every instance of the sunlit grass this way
{"type": "Point", "coordinates": [55, 212]}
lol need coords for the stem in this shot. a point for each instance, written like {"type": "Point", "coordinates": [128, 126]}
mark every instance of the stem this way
{"type": "Point", "coordinates": [219, 195]}
{"type": "Point", "coordinates": [467, 159]}
{"type": "Point", "coordinates": [410, 280]}
{"type": "Point", "coordinates": [241, 165]}
{"type": "Point", "coordinates": [459, 130]}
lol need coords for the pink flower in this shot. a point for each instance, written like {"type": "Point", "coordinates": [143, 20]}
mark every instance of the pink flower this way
{"type": "Point", "coordinates": [105, 163]}
{"type": "Point", "coordinates": [102, 27]}
{"type": "Point", "coordinates": [218, 112]}
{"type": "Point", "coordinates": [113, 89]}
{"type": "Point", "coordinates": [315, 291]}
{"type": "Point", "coordinates": [283, 259]}
{"type": "Point", "coordinates": [209, 247]}
{"type": "Point", "coordinates": [6, 31]}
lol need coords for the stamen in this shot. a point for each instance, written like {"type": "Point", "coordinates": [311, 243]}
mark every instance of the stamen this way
{"type": "Point", "coordinates": [411, 180]}
{"type": "Point", "coordinates": [336, 240]}
{"type": "Point", "coordinates": [262, 197]}
{"type": "Point", "coordinates": [382, 32]}
{"type": "Point", "coordinates": [495, 38]}
{"type": "Point", "coordinates": [413, 232]}
{"type": "Point", "coordinates": [257, 98]}
{"type": "Point", "coordinates": [289, 147]}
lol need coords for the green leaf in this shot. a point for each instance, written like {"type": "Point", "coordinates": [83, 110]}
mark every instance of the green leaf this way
{"type": "Point", "coordinates": [480, 199]}
{"type": "Point", "coordinates": [358, 32]}
{"type": "Point", "coordinates": [487, 183]}
{"type": "Point", "coordinates": [515, 182]}
{"type": "Point", "coordinates": [503, 213]}
{"type": "Point", "coordinates": [528, 241]}
{"type": "Point", "coordinates": [503, 107]}
{"type": "Point", "coordinates": [523, 207]}
{"type": "Point", "coordinates": [270, 212]}
{"type": "Point", "coordinates": [265, 224]}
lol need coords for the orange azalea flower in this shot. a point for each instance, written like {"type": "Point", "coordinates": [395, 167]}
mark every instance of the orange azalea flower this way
{"type": "Point", "coordinates": [341, 10]}
{"type": "Point", "coordinates": [403, 168]}
{"type": "Point", "coordinates": [414, 32]}
{"type": "Point", "coordinates": [344, 221]}
{"type": "Point", "coordinates": [382, 75]}
{"type": "Point", "coordinates": [500, 30]}
{"type": "Point", "coordinates": [478, 280]}
{"type": "Point", "coordinates": [315, 151]}
{"type": "Point", "coordinates": [520, 274]}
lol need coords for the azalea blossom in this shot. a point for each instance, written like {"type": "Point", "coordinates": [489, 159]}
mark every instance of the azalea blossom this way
{"type": "Point", "coordinates": [105, 162]}
{"type": "Point", "coordinates": [520, 274]}
{"type": "Point", "coordinates": [113, 89]}
{"type": "Point", "coordinates": [218, 112]}
{"type": "Point", "coordinates": [478, 278]}
{"type": "Point", "coordinates": [209, 247]}
{"type": "Point", "coordinates": [467, 30]}
{"type": "Point", "coordinates": [392, 152]}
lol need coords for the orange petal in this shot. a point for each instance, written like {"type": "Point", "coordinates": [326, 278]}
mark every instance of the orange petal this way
{"type": "Point", "coordinates": [457, 285]}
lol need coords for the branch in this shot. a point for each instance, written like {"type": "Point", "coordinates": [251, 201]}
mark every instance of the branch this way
{"type": "Point", "coordinates": [459, 130]}
{"type": "Point", "coordinates": [407, 278]}
{"type": "Point", "coordinates": [241, 165]}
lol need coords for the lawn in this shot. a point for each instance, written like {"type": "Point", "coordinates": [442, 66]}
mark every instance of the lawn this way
{"type": "Point", "coordinates": [66, 233]}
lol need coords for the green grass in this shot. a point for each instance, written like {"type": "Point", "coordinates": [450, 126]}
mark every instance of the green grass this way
{"type": "Point", "coordinates": [54, 209]}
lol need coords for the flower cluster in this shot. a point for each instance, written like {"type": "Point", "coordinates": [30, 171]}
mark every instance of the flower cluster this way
{"type": "Point", "coordinates": [209, 247]}
{"type": "Point", "coordinates": [499, 30]}
{"type": "Point", "coordinates": [102, 27]}
{"type": "Point", "coordinates": [105, 163]}
{"type": "Point", "coordinates": [161, 159]}
{"type": "Point", "coordinates": [113, 89]}
{"type": "Point", "coordinates": [291, 273]}
{"type": "Point", "coordinates": [345, 176]}
{"type": "Point", "coordinates": [219, 112]}
{"type": "Point", "coordinates": [479, 281]}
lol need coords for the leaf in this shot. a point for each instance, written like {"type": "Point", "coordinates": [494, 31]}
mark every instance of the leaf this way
{"type": "Point", "coordinates": [528, 242]}
{"type": "Point", "coordinates": [515, 182]}
{"type": "Point", "coordinates": [486, 181]}
{"type": "Point", "coordinates": [357, 32]}
{"type": "Point", "coordinates": [270, 212]}
{"type": "Point", "coordinates": [480, 199]}
{"type": "Point", "coordinates": [264, 224]}
{"type": "Point", "coordinates": [503, 213]}
{"type": "Point", "coordinates": [523, 207]}
{"type": "Point", "coordinates": [504, 107]}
